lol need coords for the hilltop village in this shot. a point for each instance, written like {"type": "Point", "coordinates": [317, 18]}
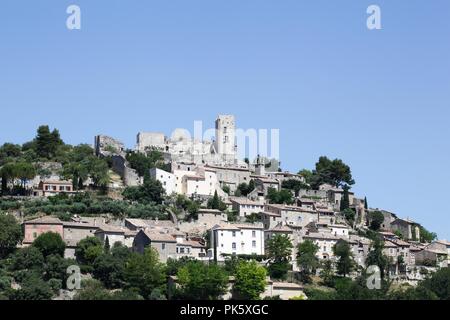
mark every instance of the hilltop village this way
{"type": "Point", "coordinates": [173, 207]}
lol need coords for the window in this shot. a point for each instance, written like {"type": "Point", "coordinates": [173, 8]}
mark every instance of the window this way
{"type": "Point", "coordinates": [253, 233]}
{"type": "Point", "coordinates": [163, 246]}
{"type": "Point", "coordinates": [234, 233]}
{"type": "Point", "coordinates": [34, 235]}
{"type": "Point", "coordinates": [254, 244]}
{"type": "Point", "coordinates": [324, 248]}
{"type": "Point", "coordinates": [233, 245]}
{"type": "Point", "coordinates": [181, 250]}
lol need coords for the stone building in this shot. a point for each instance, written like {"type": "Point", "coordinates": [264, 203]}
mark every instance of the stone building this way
{"type": "Point", "coordinates": [245, 207]}
{"type": "Point", "coordinates": [181, 147]}
{"type": "Point", "coordinates": [107, 146]}
{"type": "Point", "coordinates": [236, 239]}
{"type": "Point", "coordinates": [34, 228]}
{"type": "Point", "coordinates": [409, 229]}
{"type": "Point", "coordinates": [164, 243]}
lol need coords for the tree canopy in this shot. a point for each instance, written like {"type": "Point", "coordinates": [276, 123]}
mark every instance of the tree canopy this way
{"type": "Point", "coordinates": [250, 280]}
{"type": "Point", "coordinates": [10, 234]}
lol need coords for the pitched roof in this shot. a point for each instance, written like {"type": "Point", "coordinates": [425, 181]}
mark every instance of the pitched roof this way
{"type": "Point", "coordinates": [400, 242]}
{"type": "Point", "coordinates": [274, 214]}
{"type": "Point", "coordinates": [212, 211]}
{"type": "Point", "coordinates": [81, 225]}
{"type": "Point", "coordinates": [56, 182]}
{"type": "Point", "coordinates": [321, 235]}
{"type": "Point", "coordinates": [143, 223]}
{"type": "Point", "coordinates": [111, 229]}
{"type": "Point", "coordinates": [44, 220]}
{"type": "Point", "coordinates": [245, 201]}
{"type": "Point", "coordinates": [236, 226]}
{"type": "Point", "coordinates": [444, 242]}
{"type": "Point", "coordinates": [158, 236]}
{"type": "Point", "coordinates": [280, 228]}
{"type": "Point", "coordinates": [389, 244]}
{"type": "Point", "coordinates": [192, 243]}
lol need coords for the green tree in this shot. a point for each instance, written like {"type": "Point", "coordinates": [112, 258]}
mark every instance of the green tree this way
{"type": "Point", "coordinates": [145, 272]}
{"type": "Point", "coordinates": [214, 202]}
{"type": "Point", "coordinates": [199, 281]}
{"type": "Point", "coordinates": [88, 250]}
{"type": "Point", "coordinates": [280, 197]}
{"type": "Point", "coordinates": [345, 263]}
{"type": "Point", "coordinates": [29, 258]}
{"type": "Point", "coordinates": [50, 243]}
{"type": "Point", "coordinates": [327, 272]}
{"type": "Point", "coordinates": [55, 267]}
{"type": "Point", "coordinates": [250, 280]}
{"type": "Point", "coordinates": [376, 219]}
{"type": "Point", "coordinates": [349, 215]}
{"type": "Point", "coordinates": [10, 234]}
{"type": "Point", "coordinates": [8, 172]}
{"type": "Point", "coordinates": [244, 189]}
{"type": "Point", "coordinates": [33, 288]}
{"type": "Point", "coordinates": [142, 163]}
{"type": "Point", "coordinates": [345, 202]}
{"type": "Point", "coordinates": [99, 172]}
{"type": "Point", "coordinates": [412, 293]}
{"type": "Point", "coordinates": [9, 150]}
{"type": "Point", "coordinates": [252, 218]}
{"type": "Point", "coordinates": [307, 175]}
{"type": "Point", "coordinates": [151, 191]}
{"type": "Point", "coordinates": [376, 256]}
{"type": "Point", "coordinates": [278, 251]}
{"type": "Point", "coordinates": [334, 172]}
{"type": "Point", "coordinates": [307, 260]}
{"type": "Point", "coordinates": [47, 142]}
{"type": "Point", "coordinates": [425, 235]}
{"type": "Point", "coordinates": [439, 283]}
{"type": "Point", "coordinates": [92, 289]}
{"type": "Point", "coordinates": [295, 185]}
{"type": "Point", "coordinates": [25, 171]}
{"type": "Point", "coordinates": [109, 271]}
{"type": "Point", "coordinates": [110, 267]}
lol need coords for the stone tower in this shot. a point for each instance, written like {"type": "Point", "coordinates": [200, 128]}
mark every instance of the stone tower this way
{"type": "Point", "coordinates": [225, 137]}
{"type": "Point", "coordinates": [260, 166]}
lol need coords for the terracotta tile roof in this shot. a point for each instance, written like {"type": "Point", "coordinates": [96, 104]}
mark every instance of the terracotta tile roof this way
{"type": "Point", "coordinates": [245, 201]}
{"type": "Point", "coordinates": [143, 223]}
{"type": "Point", "coordinates": [280, 228]}
{"type": "Point", "coordinates": [321, 235]}
{"type": "Point", "coordinates": [159, 237]}
{"type": "Point", "coordinates": [81, 225]}
{"type": "Point", "coordinates": [270, 214]}
{"type": "Point", "coordinates": [389, 244]}
{"type": "Point", "coordinates": [44, 220]}
{"type": "Point", "coordinates": [111, 229]}
{"type": "Point", "coordinates": [212, 211]}
{"type": "Point", "coordinates": [65, 182]}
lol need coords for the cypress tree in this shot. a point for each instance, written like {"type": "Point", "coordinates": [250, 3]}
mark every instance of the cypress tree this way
{"type": "Point", "coordinates": [345, 202]}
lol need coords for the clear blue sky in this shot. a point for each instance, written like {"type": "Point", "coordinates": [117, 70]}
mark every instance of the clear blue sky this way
{"type": "Point", "coordinates": [377, 99]}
